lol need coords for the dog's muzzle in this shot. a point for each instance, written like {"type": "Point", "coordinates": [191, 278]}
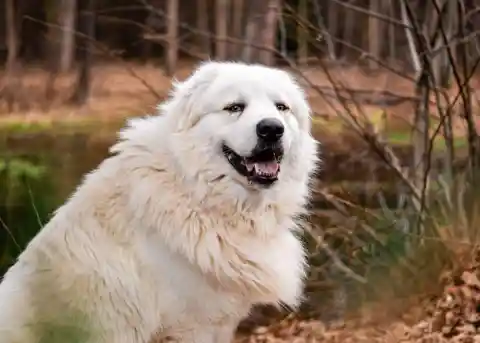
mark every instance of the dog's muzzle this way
{"type": "Point", "coordinates": [262, 166]}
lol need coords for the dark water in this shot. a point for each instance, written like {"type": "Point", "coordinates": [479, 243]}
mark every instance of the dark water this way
{"type": "Point", "coordinates": [37, 173]}
{"type": "Point", "coordinates": [39, 170]}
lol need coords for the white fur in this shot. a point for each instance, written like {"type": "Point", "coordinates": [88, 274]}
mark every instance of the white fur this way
{"type": "Point", "coordinates": [165, 238]}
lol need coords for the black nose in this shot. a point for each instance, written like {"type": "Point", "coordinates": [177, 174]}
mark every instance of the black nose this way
{"type": "Point", "coordinates": [270, 129]}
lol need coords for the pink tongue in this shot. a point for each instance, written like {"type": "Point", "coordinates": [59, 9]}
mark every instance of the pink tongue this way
{"type": "Point", "coordinates": [267, 167]}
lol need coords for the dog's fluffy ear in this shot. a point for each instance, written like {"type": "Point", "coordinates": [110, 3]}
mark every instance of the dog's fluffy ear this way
{"type": "Point", "coordinates": [184, 106]}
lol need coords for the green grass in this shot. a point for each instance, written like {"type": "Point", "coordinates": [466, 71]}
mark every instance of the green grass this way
{"type": "Point", "coordinates": [55, 126]}
{"type": "Point", "coordinates": [404, 138]}
{"type": "Point", "coordinates": [86, 124]}
{"type": "Point", "coordinates": [397, 137]}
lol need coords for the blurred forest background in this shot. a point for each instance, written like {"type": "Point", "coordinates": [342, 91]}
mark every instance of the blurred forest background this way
{"type": "Point", "coordinates": [394, 231]}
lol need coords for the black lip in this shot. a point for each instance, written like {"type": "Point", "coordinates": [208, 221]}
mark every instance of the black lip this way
{"type": "Point", "coordinates": [259, 154]}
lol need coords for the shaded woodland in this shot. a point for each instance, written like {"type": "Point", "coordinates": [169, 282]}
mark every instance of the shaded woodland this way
{"type": "Point", "coordinates": [65, 35]}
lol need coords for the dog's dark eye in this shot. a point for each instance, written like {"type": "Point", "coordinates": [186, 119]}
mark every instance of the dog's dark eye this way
{"type": "Point", "coordinates": [282, 107]}
{"type": "Point", "coordinates": [235, 107]}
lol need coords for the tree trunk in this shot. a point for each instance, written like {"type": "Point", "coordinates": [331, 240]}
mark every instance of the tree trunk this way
{"type": "Point", "coordinates": [283, 37]}
{"type": "Point", "coordinates": [443, 66]}
{"type": "Point", "coordinates": [52, 50]}
{"type": "Point", "coordinates": [332, 24]}
{"type": "Point", "coordinates": [420, 170]}
{"type": "Point", "coordinates": [87, 29]}
{"type": "Point", "coordinates": [302, 32]}
{"type": "Point", "coordinates": [203, 27]}
{"type": "Point", "coordinates": [324, 34]}
{"type": "Point", "coordinates": [419, 166]}
{"type": "Point", "coordinates": [417, 66]}
{"type": "Point", "coordinates": [247, 54]}
{"type": "Point", "coordinates": [68, 14]}
{"type": "Point", "coordinates": [468, 62]}
{"type": "Point", "coordinates": [261, 32]}
{"type": "Point", "coordinates": [349, 34]}
{"type": "Point", "coordinates": [11, 80]}
{"type": "Point", "coordinates": [392, 37]}
{"type": "Point", "coordinates": [153, 24]}
{"type": "Point", "coordinates": [274, 9]}
{"type": "Point", "coordinates": [375, 34]}
{"type": "Point", "coordinates": [221, 28]}
{"type": "Point", "coordinates": [172, 36]}
{"type": "Point", "coordinates": [238, 16]}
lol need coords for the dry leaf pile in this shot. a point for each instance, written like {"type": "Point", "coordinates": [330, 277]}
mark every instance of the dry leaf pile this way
{"type": "Point", "coordinates": [296, 330]}
{"type": "Point", "coordinates": [456, 314]}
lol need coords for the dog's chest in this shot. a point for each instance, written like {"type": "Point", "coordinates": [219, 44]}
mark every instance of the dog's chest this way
{"type": "Point", "coordinates": [184, 291]}
{"type": "Point", "coordinates": [226, 271]}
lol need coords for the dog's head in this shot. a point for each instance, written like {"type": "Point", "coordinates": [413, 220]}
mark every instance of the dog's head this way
{"type": "Point", "coordinates": [247, 123]}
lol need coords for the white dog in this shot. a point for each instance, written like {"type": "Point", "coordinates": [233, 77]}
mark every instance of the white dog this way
{"type": "Point", "coordinates": [183, 229]}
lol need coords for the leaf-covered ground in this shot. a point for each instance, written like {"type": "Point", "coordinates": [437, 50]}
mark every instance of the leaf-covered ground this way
{"type": "Point", "coordinates": [453, 316]}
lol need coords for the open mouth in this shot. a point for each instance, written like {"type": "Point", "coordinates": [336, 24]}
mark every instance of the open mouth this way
{"type": "Point", "coordinates": [262, 167]}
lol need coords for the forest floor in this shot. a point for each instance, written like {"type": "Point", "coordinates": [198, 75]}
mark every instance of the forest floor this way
{"type": "Point", "coordinates": [128, 89]}
{"type": "Point", "coordinates": [449, 316]}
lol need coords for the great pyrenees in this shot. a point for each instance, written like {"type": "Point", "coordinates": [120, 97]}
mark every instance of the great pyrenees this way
{"type": "Point", "coordinates": [189, 223]}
